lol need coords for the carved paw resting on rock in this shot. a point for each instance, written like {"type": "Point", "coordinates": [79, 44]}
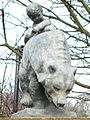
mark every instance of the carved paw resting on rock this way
{"type": "Point", "coordinates": [26, 99]}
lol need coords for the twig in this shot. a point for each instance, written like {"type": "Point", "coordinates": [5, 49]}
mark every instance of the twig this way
{"type": "Point", "coordinates": [21, 3]}
{"type": "Point", "coordinates": [85, 6]}
{"type": "Point", "coordinates": [88, 93]}
{"type": "Point", "coordinates": [81, 29]}
{"type": "Point", "coordinates": [4, 26]}
{"type": "Point", "coordinates": [10, 59]}
{"type": "Point", "coordinates": [80, 98]}
{"type": "Point", "coordinates": [79, 13]}
{"type": "Point", "coordinates": [4, 32]}
{"type": "Point", "coordinates": [12, 49]}
{"type": "Point", "coordinates": [77, 38]}
{"type": "Point", "coordinates": [82, 85]}
{"type": "Point", "coordinates": [58, 18]}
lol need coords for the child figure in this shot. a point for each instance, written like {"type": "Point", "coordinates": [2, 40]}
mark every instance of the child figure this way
{"type": "Point", "coordinates": [35, 13]}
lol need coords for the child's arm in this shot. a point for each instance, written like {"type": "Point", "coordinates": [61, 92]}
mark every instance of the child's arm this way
{"type": "Point", "coordinates": [41, 25]}
{"type": "Point", "coordinates": [49, 28]}
{"type": "Point", "coordinates": [28, 35]}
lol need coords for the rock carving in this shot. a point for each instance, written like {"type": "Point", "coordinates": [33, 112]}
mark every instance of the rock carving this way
{"type": "Point", "coordinates": [35, 13]}
{"type": "Point", "coordinates": [46, 75]}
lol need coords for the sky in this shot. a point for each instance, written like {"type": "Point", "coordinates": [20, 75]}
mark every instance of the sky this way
{"type": "Point", "coordinates": [14, 34]}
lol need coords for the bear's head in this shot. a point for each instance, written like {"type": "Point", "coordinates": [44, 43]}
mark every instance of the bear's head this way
{"type": "Point", "coordinates": [57, 79]}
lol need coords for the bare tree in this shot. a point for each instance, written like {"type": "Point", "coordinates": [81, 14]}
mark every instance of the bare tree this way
{"type": "Point", "coordinates": [73, 15]}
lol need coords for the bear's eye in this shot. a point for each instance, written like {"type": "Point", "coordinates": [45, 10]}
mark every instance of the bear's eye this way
{"type": "Point", "coordinates": [52, 69]}
{"type": "Point", "coordinates": [56, 88]}
{"type": "Point", "coordinates": [68, 91]}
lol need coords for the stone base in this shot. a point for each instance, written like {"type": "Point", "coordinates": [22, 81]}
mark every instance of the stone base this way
{"type": "Point", "coordinates": [32, 112]}
{"type": "Point", "coordinates": [45, 118]}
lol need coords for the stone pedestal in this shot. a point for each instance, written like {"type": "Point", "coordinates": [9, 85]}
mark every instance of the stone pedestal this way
{"type": "Point", "coordinates": [45, 118]}
{"type": "Point", "coordinates": [50, 112]}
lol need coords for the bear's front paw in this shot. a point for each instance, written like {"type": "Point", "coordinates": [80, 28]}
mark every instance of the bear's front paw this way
{"type": "Point", "coordinates": [26, 100]}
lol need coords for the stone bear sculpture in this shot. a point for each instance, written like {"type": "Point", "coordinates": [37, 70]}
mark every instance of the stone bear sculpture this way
{"type": "Point", "coordinates": [46, 75]}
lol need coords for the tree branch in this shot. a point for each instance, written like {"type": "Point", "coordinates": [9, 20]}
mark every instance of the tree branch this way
{"type": "Point", "coordinates": [21, 3]}
{"type": "Point", "coordinates": [85, 6]}
{"type": "Point", "coordinates": [13, 50]}
{"type": "Point", "coordinates": [79, 13]}
{"type": "Point", "coordinates": [58, 18]}
{"type": "Point", "coordinates": [88, 93]}
{"type": "Point", "coordinates": [4, 26]}
{"type": "Point", "coordinates": [80, 98]}
{"type": "Point", "coordinates": [73, 36]}
{"type": "Point", "coordinates": [81, 29]}
{"type": "Point", "coordinates": [4, 32]}
{"type": "Point", "coordinates": [7, 59]}
{"type": "Point", "coordinates": [82, 85]}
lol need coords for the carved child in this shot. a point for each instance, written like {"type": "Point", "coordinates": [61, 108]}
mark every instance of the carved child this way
{"type": "Point", "coordinates": [35, 13]}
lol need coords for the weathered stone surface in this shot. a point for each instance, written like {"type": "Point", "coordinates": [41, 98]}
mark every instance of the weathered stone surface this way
{"type": "Point", "coordinates": [44, 113]}
{"type": "Point", "coordinates": [35, 13]}
{"type": "Point", "coordinates": [46, 74]}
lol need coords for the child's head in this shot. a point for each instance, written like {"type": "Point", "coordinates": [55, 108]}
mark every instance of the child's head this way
{"type": "Point", "coordinates": [35, 12]}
